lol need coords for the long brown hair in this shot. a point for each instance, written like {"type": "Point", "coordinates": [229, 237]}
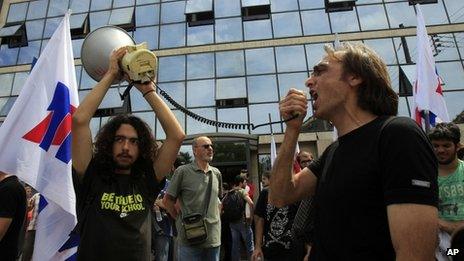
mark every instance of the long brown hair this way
{"type": "Point", "coordinates": [375, 93]}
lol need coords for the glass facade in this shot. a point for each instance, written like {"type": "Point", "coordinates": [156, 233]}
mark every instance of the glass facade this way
{"type": "Point", "coordinates": [262, 74]}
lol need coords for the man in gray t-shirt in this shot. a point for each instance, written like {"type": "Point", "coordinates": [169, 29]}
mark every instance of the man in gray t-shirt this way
{"type": "Point", "coordinates": [190, 184]}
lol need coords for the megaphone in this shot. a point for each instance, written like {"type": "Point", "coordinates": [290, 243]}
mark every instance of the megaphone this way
{"type": "Point", "coordinates": [139, 63]}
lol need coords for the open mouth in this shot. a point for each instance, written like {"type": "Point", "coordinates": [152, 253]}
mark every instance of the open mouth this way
{"type": "Point", "coordinates": [314, 95]}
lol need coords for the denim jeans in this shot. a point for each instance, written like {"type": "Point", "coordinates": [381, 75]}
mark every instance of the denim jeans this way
{"type": "Point", "coordinates": [189, 253]}
{"type": "Point", "coordinates": [241, 230]}
{"type": "Point", "coordinates": [162, 243]}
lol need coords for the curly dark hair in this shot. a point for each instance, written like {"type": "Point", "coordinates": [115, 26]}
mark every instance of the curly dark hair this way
{"type": "Point", "coordinates": [105, 139]}
{"type": "Point", "coordinates": [445, 131]}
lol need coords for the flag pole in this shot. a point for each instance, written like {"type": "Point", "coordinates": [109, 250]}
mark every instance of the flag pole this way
{"type": "Point", "coordinates": [427, 120]}
{"type": "Point", "coordinates": [272, 132]}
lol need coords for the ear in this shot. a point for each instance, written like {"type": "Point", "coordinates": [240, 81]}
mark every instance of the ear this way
{"type": "Point", "coordinates": [354, 80]}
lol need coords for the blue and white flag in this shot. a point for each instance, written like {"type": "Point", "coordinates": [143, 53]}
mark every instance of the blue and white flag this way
{"type": "Point", "coordinates": [36, 144]}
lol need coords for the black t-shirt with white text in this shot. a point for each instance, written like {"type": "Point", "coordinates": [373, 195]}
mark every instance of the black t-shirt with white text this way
{"type": "Point", "coordinates": [118, 222]}
{"type": "Point", "coordinates": [12, 206]}
{"type": "Point", "coordinates": [368, 172]}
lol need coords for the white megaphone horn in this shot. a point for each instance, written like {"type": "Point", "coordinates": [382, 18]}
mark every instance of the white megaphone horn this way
{"type": "Point", "coordinates": [140, 64]}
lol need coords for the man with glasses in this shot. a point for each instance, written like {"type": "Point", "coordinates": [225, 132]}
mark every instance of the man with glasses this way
{"type": "Point", "coordinates": [304, 158]}
{"type": "Point", "coordinates": [190, 184]}
{"type": "Point", "coordinates": [118, 178]}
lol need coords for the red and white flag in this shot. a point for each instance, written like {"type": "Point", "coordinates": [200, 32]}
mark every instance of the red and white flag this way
{"type": "Point", "coordinates": [36, 144]}
{"type": "Point", "coordinates": [428, 92]}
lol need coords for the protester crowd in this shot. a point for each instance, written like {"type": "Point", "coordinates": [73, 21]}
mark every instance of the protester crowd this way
{"type": "Point", "coordinates": [384, 190]}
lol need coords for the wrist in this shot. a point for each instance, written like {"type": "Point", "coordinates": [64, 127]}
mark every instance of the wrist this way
{"type": "Point", "coordinates": [145, 93]}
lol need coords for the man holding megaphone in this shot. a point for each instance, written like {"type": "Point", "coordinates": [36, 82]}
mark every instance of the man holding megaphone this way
{"type": "Point", "coordinates": [118, 177]}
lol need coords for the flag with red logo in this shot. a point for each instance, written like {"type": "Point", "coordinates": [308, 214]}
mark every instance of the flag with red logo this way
{"type": "Point", "coordinates": [296, 166]}
{"type": "Point", "coordinates": [36, 144]}
{"type": "Point", "coordinates": [428, 92]}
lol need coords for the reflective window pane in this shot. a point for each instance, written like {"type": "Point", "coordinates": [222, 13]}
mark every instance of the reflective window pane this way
{"type": "Point", "coordinates": [228, 30]}
{"type": "Point", "coordinates": [259, 29]}
{"type": "Point", "coordinates": [80, 6]}
{"type": "Point", "coordinates": [200, 66]}
{"type": "Point", "coordinates": [197, 35]}
{"type": "Point", "coordinates": [231, 63]}
{"type": "Point", "coordinates": [180, 116]}
{"type": "Point", "coordinates": [230, 88]}
{"type": "Point", "coordinates": [8, 56]}
{"type": "Point", "coordinates": [224, 8]}
{"type": "Point", "coordinates": [3, 102]}
{"type": "Point", "coordinates": [200, 93]}
{"type": "Point", "coordinates": [197, 6]}
{"type": "Point", "coordinates": [262, 88]}
{"type": "Point", "coordinates": [454, 9]}
{"type": "Point", "coordinates": [176, 90]}
{"type": "Point", "coordinates": [38, 9]}
{"type": "Point", "coordinates": [149, 118]}
{"type": "Point", "coordinates": [315, 22]}
{"type": "Point", "coordinates": [292, 80]}
{"type": "Point", "coordinates": [50, 26]}
{"type": "Point", "coordinates": [401, 13]}
{"type": "Point", "coordinates": [99, 19]}
{"type": "Point", "coordinates": [259, 114]}
{"type": "Point", "coordinates": [78, 69]}
{"type": "Point", "coordinates": [77, 46]}
{"type": "Point", "coordinates": [148, 35]}
{"type": "Point", "coordinates": [283, 5]}
{"type": "Point", "coordinates": [34, 29]}
{"type": "Point", "coordinates": [195, 127]}
{"type": "Point", "coordinates": [384, 48]}
{"type": "Point", "coordinates": [286, 24]}
{"type": "Point", "coordinates": [172, 35]}
{"type": "Point", "coordinates": [17, 12]}
{"type": "Point", "coordinates": [6, 82]}
{"type": "Point", "coordinates": [314, 53]}
{"type": "Point", "coordinates": [290, 58]}
{"type": "Point", "coordinates": [454, 103]}
{"type": "Point", "coordinates": [344, 21]}
{"type": "Point", "coordinates": [233, 115]}
{"type": "Point", "coordinates": [122, 3]}
{"type": "Point", "coordinates": [57, 7]}
{"type": "Point", "coordinates": [434, 13]}
{"type": "Point", "coordinates": [142, 2]}
{"type": "Point", "coordinates": [452, 75]}
{"type": "Point", "coordinates": [121, 16]}
{"type": "Point", "coordinates": [86, 81]}
{"type": "Point", "coordinates": [372, 17]}
{"type": "Point", "coordinates": [146, 15]}
{"type": "Point", "coordinates": [446, 47]}
{"type": "Point", "coordinates": [171, 68]}
{"type": "Point", "coordinates": [173, 12]}
{"type": "Point", "coordinates": [254, 2]}
{"type": "Point", "coordinates": [27, 53]}
{"type": "Point", "coordinates": [100, 5]}
{"type": "Point", "coordinates": [305, 4]}
{"type": "Point", "coordinates": [8, 105]}
{"type": "Point", "coordinates": [18, 83]}
{"type": "Point", "coordinates": [260, 61]}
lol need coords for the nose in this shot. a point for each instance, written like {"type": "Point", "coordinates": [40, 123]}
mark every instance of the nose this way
{"type": "Point", "coordinates": [309, 82]}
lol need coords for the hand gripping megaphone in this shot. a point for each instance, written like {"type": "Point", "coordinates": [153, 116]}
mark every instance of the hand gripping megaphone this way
{"type": "Point", "coordinates": [139, 63]}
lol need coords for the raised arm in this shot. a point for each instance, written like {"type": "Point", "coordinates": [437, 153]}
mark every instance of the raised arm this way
{"type": "Point", "coordinates": [82, 137]}
{"type": "Point", "coordinates": [284, 187]}
{"type": "Point", "coordinates": [413, 230]}
{"type": "Point", "coordinates": [167, 153]}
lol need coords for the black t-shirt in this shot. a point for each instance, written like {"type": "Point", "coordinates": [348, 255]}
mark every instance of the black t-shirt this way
{"type": "Point", "coordinates": [118, 222]}
{"type": "Point", "coordinates": [368, 172]}
{"type": "Point", "coordinates": [277, 243]}
{"type": "Point", "coordinates": [12, 205]}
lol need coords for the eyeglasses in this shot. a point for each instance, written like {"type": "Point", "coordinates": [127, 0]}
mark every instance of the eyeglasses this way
{"type": "Point", "coordinates": [122, 139]}
{"type": "Point", "coordinates": [206, 146]}
{"type": "Point", "coordinates": [305, 161]}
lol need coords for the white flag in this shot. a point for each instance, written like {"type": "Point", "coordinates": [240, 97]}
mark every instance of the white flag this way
{"type": "Point", "coordinates": [273, 150]}
{"type": "Point", "coordinates": [428, 94]}
{"type": "Point", "coordinates": [36, 143]}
